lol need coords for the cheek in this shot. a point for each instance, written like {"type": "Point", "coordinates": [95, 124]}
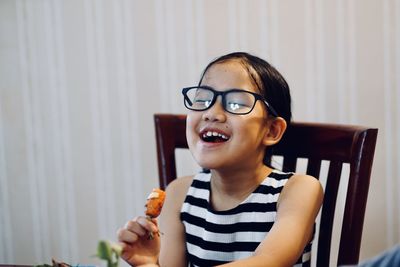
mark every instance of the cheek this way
{"type": "Point", "coordinates": [251, 132]}
{"type": "Point", "coordinates": [191, 123]}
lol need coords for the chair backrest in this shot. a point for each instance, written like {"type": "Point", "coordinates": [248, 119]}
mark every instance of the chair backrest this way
{"type": "Point", "coordinates": [337, 144]}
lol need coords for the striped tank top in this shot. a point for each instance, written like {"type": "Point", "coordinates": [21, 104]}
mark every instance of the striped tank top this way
{"type": "Point", "coordinates": [218, 237]}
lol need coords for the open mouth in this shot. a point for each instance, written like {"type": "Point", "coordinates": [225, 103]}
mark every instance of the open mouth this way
{"type": "Point", "coordinates": [213, 137]}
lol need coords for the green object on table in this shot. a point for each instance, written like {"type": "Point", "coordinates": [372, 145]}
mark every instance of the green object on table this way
{"type": "Point", "coordinates": [109, 252]}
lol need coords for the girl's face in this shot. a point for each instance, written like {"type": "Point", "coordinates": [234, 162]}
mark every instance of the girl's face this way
{"type": "Point", "coordinates": [239, 139]}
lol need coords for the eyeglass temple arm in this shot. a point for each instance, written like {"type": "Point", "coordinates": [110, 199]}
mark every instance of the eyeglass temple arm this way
{"type": "Point", "coordinates": [271, 109]}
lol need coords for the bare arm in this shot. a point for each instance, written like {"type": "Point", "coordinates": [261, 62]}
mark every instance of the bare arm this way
{"type": "Point", "coordinates": [298, 207]}
{"type": "Point", "coordinates": [173, 243]}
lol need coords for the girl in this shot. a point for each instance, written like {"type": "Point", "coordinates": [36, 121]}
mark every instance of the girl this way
{"type": "Point", "coordinates": [242, 212]}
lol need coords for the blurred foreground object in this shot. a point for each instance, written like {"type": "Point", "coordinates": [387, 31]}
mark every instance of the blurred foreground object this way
{"type": "Point", "coordinates": [109, 252]}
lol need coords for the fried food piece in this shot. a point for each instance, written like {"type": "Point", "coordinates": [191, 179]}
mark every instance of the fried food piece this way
{"type": "Point", "coordinates": [154, 203]}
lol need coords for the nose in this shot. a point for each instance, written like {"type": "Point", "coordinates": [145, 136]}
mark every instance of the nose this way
{"type": "Point", "coordinates": [216, 113]}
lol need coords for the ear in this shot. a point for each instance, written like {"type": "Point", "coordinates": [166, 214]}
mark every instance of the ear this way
{"type": "Point", "coordinates": [276, 129]}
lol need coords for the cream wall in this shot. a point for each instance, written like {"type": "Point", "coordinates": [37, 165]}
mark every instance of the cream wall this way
{"type": "Point", "coordinates": [81, 80]}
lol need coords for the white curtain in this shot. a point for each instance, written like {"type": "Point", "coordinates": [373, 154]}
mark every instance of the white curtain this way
{"type": "Point", "coordinates": [81, 80]}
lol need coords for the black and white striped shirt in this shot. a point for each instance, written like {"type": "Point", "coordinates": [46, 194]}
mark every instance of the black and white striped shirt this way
{"type": "Point", "coordinates": [217, 237]}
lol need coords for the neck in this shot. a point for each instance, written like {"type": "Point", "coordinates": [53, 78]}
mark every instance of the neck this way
{"type": "Point", "coordinates": [231, 187]}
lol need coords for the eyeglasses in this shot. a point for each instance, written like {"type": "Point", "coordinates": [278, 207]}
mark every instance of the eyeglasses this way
{"type": "Point", "coordinates": [235, 101]}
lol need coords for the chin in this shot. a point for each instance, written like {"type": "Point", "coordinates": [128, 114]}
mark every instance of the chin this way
{"type": "Point", "coordinates": [206, 164]}
{"type": "Point", "coordinates": [210, 164]}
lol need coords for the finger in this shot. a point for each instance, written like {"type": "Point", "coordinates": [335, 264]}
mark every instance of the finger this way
{"type": "Point", "coordinates": [125, 254]}
{"type": "Point", "coordinates": [147, 224]}
{"type": "Point", "coordinates": [135, 227]}
{"type": "Point", "coordinates": [126, 236]}
{"type": "Point", "coordinates": [154, 220]}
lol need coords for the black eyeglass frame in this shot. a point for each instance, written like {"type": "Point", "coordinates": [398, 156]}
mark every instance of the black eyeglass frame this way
{"type": "Point", "coordinates": [223, 94]}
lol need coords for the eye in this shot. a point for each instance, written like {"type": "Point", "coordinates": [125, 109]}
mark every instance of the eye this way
{"type": "Point", "coordinates": [202, 102]}
{"type": "Point", "coordinates": [232, 105]}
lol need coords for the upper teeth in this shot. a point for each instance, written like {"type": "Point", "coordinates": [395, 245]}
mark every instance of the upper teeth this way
{"type": "Point", "coordinates": [211, 133]}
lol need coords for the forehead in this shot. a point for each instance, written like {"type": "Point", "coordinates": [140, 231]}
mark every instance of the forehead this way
{"type": "Point", "coordinates": [228, 75]}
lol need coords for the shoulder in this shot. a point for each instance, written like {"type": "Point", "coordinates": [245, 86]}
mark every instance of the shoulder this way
{"type": "Point", "coordinates": [175, 196]}
{"type": "Point", "coordinates": [303, 180]}
{"type": "Point", "coordinates": [301, 187]}
{"type": "Point", "coordinates": [180, 184]}
{"type": "Point", "coordinates": [176, 191]}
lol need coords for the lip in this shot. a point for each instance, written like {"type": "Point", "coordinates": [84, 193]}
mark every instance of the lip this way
{"type": "Point", "coordinates": [209, 146]}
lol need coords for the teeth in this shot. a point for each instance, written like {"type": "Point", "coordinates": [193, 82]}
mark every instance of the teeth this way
{"type": "Point", "coordinates": [211, 133]}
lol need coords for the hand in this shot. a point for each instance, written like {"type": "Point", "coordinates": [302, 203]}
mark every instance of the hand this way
{"type": "Point", "coordinates": [137, 246]}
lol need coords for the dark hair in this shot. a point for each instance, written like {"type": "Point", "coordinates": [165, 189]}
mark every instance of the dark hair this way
{"type": "Point", "coordinates": [269, 81]}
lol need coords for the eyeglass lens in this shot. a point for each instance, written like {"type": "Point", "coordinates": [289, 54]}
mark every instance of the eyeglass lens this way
{"type": "Point", "coordinates": [238, 102]}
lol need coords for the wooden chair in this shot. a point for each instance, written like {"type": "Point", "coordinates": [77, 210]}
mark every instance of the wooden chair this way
{"type": "Point", "coordinates": [315, 141]}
